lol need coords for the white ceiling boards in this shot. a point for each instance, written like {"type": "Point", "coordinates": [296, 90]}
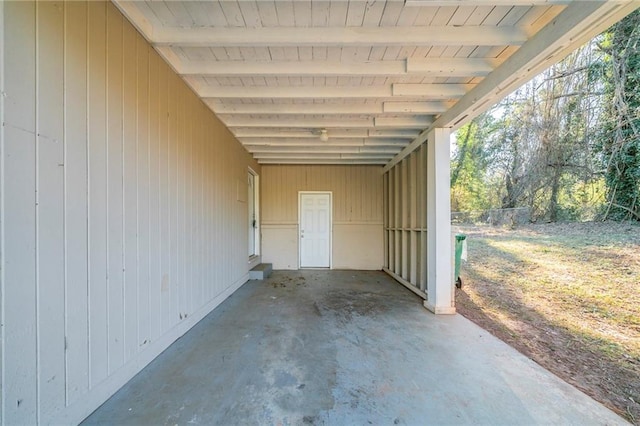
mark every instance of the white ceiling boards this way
{"type": "Point", "coordinates": [283, 71]}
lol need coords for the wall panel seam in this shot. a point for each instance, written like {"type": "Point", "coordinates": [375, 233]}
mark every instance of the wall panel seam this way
{"type": "Point", "coordinates": [37, 210]}
{"type": "Point", "coordinates": [2, 234]}
{"type": "Point", "coordinates": [64, 195]}
{"type": "Point", "coordinates": [137, 197]}
{"type": "Point", "coordinates": [123, 250]}
{"type": "Point", "coordinates": [106, 184]}
{"type": "Point", "coordinates": [88, 209]}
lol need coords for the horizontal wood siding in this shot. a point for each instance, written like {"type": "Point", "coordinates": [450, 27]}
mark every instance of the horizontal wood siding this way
{"type": "Point", "coordinates": [120, 222]}
{"type": "Point", "coordinates": [357, 212]}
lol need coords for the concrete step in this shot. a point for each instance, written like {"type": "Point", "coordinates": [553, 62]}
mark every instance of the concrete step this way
{"type": "Point", "coordinates": [261, 272]}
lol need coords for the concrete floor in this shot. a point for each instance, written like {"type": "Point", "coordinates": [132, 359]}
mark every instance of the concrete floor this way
{"type": "Point", "coordinates": [342, 347]}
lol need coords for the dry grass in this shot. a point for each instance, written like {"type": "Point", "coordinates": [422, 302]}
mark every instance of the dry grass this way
{"type": "Point", "coordinates": [566, 295]}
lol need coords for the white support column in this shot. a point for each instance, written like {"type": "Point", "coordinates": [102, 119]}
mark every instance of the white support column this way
{"type": "Point", "coordinates": [439, 275]}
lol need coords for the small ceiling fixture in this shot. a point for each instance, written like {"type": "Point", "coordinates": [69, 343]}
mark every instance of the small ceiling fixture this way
{"type": "Point", "coordinates": [324, 136]}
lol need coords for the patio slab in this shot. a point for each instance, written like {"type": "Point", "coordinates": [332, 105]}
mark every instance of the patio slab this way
{"type": "Point", "coordinates": [342, 347]}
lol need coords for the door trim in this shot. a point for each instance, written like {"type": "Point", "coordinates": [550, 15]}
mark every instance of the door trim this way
{"type": "Point", "coordinates": [257, 230]}
{"type": "Point", "coordinates": [300, 194]}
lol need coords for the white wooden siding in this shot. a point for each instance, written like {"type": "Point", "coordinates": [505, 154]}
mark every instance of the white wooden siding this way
{"type": "Point", "coordinates": [120, 222]}
{"type": "Point", "coordinates": [357, 213]}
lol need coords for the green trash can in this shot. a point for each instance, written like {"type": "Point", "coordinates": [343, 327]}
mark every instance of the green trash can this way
{"type": "Point", "coordinates": [460, 238]}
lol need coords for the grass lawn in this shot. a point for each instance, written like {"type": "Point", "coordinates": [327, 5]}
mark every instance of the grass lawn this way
{"type": "Point", "coordinates": [567, 296]}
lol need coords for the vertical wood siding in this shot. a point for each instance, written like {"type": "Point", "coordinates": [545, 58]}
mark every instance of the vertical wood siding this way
{"type": "Point", "coordinates": [405, 221]}
{"type": "Point", "coordinates": [357, 213]}
{"type": "Point", "coordinates": [120, 221]}
{"type": "Point", "coordinates": [357, 191]}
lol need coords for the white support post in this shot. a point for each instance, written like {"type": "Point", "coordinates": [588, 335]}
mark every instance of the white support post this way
{"type": "Point", "coordinates": [439, 276]}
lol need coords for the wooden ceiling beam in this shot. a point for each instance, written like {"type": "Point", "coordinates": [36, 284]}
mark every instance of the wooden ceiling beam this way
{"type": "Point", "coordinates": [393, 133]}
{"type": "Point", "coordinates": [416, 122]}
{"type": "Point", "coordinates": [301, 133]}
{"type": "Point", "coordinates": [293, 122]}
{"type": "Point", "coordinates": [293, 68]}
{"type": "Point", "coordinates": [315, 160]}
{"type": "Point", "coordinates": [411, 122]}
{"type": "Point", "coordinates": [434, 67]}
{"type": "Point", "coordinates": [294, 92]}
{"type": "Point", "coordinates": [323, 155]}
{"type": "Point", "coordinates": [450, 67]}
{"type": "Point", "coordinates": [414, 91]}
{"type": "Point", "coordinates": [329, 109]}
{"type": "Point", "coordinates": [296, 109]}
{"type": "Point", "coordinates": [333, 141]}
{"type": "Point", "coordinates": [261, 152]}
{"type": "Point", "coordinates": [432, 91]}
{"type": "Point", "coordinates": [399, 107]}
{"type": "Point", "coordinates": [270, 133]}
{"type": "Point", "coordinates": [470, 35]}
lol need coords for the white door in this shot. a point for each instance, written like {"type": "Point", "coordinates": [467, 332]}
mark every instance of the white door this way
{"type": "Point", "coordinates": [315, 230]}
{"type": "Point", "coordinates": [253, 218]}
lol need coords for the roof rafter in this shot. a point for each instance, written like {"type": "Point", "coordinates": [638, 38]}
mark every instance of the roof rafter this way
{"type": "Point", "coordinates": [323, 155]}
{"type": "Point", "coordinates": [349, 123]}
{"type": "Point", "coordinates": [271, 133]}
{"type": "Point", "coordinates": [449, 67]}
{"type": "Point", "coordinates": [334, 141]}
{"type": "Point", "coordinates": [347, 159]}
{"type": "Point", "coordinates": [416, 91]}
{"type": "Point", "coordinates": [419, 122]}
{"type": "Point", "coordinates": [396, 107]}
{"type": "Point", "coordinates": [275, 81]}
{"type": "Point", "coordinates": [293, 68]}
{"type": "Point", "coordinates": [296, 109]}
{"type": "Point", "coordinates": [399, 107]}
{"type": "Point", "coordinates": [440, 91]}
{"type": "Point", "coordinates": [415, 122]}
{"type": "Point", "coordinates": [572, 27]}
{"type": "Point", "coordinates": [273, 151]}
{"type": "Point", "coordinates": [339, 36]}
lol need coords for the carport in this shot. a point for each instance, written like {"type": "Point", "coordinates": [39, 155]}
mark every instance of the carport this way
{"type": "Point", "coordinates": [342, 348]}
{"type": "Point", "coordinates": [153, 153]}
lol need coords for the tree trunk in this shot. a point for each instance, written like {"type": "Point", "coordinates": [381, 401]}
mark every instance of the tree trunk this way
{"type": "Point", "coordinates": [555, 190]}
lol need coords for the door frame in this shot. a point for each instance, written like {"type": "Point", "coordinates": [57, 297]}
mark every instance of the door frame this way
{"type": "Point", "coordinates": [300, 194]}
{"type": "Point", "coordinates": [256, 208]}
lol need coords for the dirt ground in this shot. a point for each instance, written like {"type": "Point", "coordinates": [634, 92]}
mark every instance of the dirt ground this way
{"type": "Point", "coordinates": [565, 295]}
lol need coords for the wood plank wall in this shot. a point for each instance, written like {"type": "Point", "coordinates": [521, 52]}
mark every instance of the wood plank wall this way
{"type": "Point", "coordinates": [121, 224]}
{"type": "Point", "coordinates": [405, 221]}
{"type": "Point", "coordinates": [357, 212]}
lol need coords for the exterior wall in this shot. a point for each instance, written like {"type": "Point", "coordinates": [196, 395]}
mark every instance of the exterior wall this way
{"type": "Point", "coordinates": [357, 213]}
{"type": "Point", "coordinates": [405, 221]}
{"type": "Point", "coordinates": [123, 208]}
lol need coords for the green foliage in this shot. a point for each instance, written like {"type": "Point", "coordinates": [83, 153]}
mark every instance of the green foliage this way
{"type": "Point", "coordinates": [581, 201]}
{"type": "Point", "coordinates": [469, 186]}
{"type": "Point", "coordinates": [620, 137]}
{"type": "Point", "coordinates": [566, 145]}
